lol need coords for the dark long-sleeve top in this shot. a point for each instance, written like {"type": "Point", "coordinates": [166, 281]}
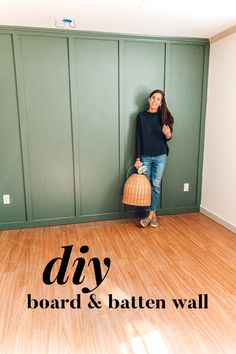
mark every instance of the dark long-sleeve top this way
{"type": "Point", "coordinates": [150, 141]}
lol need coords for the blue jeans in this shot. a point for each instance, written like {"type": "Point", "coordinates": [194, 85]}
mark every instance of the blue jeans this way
{"type": "Point", "coordinates": [155, 168]}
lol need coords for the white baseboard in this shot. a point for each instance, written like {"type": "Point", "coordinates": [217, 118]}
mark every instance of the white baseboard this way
{"type": "Point", "coordinates": [219, 220]}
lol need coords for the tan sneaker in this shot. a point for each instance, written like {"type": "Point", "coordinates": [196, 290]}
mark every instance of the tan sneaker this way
{"type": "Point", "coordinates": [153, 222]}
{"type": "Point", "coordinates": [145, 222]}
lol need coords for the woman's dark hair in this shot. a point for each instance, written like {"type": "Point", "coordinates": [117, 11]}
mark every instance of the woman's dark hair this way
{"type": "Point", "coordinates": [166, 116]}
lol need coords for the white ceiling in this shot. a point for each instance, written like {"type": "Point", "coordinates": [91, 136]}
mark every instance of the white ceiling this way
{"type": "Point", "coordinates": [182, 18]}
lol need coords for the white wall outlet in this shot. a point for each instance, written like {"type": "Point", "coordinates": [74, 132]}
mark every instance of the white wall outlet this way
{"type": "Point", "coordinates": [186, 187]}
{"type": "Point", "coordinates": [6, 199]}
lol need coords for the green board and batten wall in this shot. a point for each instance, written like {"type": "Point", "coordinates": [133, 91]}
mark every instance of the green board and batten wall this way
{"type": "Point", "coordinates": [68, 107]}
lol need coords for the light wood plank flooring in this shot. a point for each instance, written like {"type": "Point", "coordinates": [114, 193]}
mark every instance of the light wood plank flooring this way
{"type": "Point", "coordinates": [185, 256]}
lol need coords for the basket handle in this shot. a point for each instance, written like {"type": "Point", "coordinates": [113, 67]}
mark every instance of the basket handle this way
{"type": "Point", "coordinates": [130, 170]}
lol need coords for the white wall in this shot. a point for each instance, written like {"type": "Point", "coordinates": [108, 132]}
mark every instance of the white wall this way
{"type": "Point", "coordinates": [219, 166]}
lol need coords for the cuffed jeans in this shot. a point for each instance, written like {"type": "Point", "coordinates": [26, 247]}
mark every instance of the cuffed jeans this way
{"type": "Point", "coordinates": [155, 168]}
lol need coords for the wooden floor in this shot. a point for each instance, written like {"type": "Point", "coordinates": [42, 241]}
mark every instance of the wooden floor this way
{"type": "Point", "coordinates": [187, 255]}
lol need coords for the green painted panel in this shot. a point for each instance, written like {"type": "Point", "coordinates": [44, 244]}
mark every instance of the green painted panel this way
{"type": "Point", "coordinates": [144, 72]}
{"type": "Point", "coordinates": [108, 85]}
{"type": "Point", "coordinates": [97, 98]}
{"type": "Point", "coordinates": [184, 80]}
{"type": "Point", "coordinates": [48, 123]}
{"type": "Point", "coordinates": [11, 177]}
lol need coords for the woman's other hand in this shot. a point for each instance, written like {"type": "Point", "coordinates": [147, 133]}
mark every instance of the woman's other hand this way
{"type": "Point", "coordinates": [166, 131]}
{"type": "Point", "coordinates": [137, 164]}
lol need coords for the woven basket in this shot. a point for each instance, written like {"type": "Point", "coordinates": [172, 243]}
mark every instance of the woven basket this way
{"type": "Point", "coordinates": [137, 190]}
